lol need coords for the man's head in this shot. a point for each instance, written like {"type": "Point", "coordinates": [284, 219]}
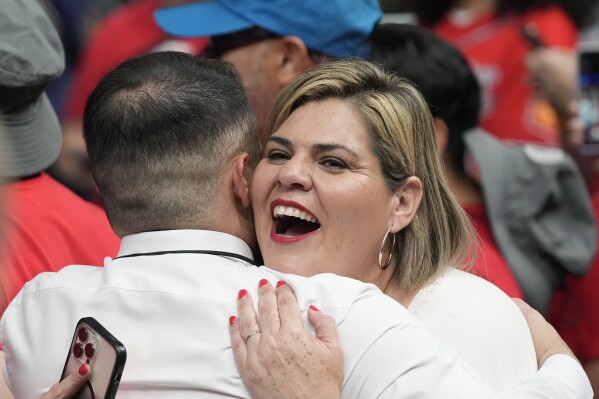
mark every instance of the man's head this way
{"type": "Point", "coordinates": [441, 74]}
{"type": "Point", "coordinates": [271, 42]}
{"type": "Point", "coordinates": [168, 136]}
{"type": "Point", "coordinates": [31, 55]}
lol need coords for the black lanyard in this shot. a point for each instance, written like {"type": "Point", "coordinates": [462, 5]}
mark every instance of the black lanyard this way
{"type": "Point", "coordinates": [199, 251]}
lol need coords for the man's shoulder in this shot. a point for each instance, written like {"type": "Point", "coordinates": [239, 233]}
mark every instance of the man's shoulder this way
{"type": "Point", "coordinates": [344, 297]}
{"type": "Point", "coordinates": [343, 288]}
{"type": "Point", "coordinates": [73, 276]}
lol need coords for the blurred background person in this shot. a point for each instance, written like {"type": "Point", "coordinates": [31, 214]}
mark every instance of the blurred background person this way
{"type": "Point", "coordinates": [490, 34]}
{"type": "Point", "coordinates": [46, 225]}
{"type": "Point", "coordinates": [270, 42]}
{"type": "Point", "coordinates": [575, 314]}
{"type": "Point", "coordinates": [4, 391]}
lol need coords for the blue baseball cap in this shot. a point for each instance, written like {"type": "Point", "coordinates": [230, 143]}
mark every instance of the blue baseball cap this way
{"type": "Point", "coordinates": [339, 28]}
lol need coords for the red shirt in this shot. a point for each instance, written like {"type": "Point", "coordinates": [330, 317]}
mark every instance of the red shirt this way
{"type": "Point", "coordinates": [47, 227]}
{"type": "Point", "coordinates": [490, 264]}
{"type": "Point", "coordinates": [496, 50]}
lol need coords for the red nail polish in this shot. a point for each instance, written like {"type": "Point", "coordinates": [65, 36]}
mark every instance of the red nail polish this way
{"type": "Point", "coordinates": [242, 294]}
{"type": "Point", "coordinates": [281, 283]}
{"type": "Point", "coordinates": [314, 308]}
{"type": "Point", "coordinates": [83, 369]}
{"type": "Point", "coordinates": [262, 283]}
{"type": "Point", "coordinates": [232, 320]}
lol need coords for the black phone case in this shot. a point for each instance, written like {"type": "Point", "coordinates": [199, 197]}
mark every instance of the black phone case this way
{"type": "Point", "coordinates": [107, 360]}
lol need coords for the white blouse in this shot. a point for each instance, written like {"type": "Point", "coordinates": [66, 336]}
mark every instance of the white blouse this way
{"type": "Point", "coordinates": [482, 324]}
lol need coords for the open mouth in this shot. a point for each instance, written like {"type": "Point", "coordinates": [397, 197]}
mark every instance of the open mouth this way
{"type": "Point", "coordinates": [292, 222]}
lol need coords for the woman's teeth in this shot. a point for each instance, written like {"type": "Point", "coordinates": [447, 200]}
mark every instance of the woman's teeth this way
{"type": "Point", "coordinates": [281, 210]}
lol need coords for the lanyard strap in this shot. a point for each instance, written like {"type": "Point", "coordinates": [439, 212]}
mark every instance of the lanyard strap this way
{"type": "Point", "coordinates": [203, 252]}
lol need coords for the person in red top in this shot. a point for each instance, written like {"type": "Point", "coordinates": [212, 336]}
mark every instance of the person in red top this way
{"type": "Point", "coordinates": [46, 227]}
{"type": "Point", "coordinates": [490, 264]}
{"type": "Point", "coordinates": [127, 31]}
{"type": "Point", "coordinates": [448, 84]}
{"type": "Point", "coordinates": [574, 312]}
{"type": "Point", "coordinates": [490, 34]}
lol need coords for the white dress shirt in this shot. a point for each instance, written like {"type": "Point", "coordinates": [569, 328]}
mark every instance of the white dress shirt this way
{"type": "Point", "coordinates": [171, 312]}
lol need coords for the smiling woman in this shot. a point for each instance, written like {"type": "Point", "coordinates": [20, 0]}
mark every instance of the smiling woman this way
{"type": "Point", "coordinates": [355, 151]}
{"type": "Point", "coordinates": [351, 183]}
{"type": "Point", "coordinates": [319, 162]}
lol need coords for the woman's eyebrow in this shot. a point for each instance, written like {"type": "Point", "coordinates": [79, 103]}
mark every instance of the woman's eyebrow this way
{"type": "Point", "coordinates": [319, 147]}
{"type": "Point", "coordinates": [281, 141]}
{"type": "Point", "coordinates": [330, 147]}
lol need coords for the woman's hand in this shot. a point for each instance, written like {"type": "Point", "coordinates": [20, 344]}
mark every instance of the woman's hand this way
{"type": "Point", "coordinates": [68, 387]}
{"type": "Point", "coordinates": [277, 357]}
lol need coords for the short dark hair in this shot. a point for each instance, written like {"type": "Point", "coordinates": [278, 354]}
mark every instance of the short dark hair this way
{"type": "Point", "coordinates": [159, 130]}
{"type": "Point", "coordinates": [441, 74]}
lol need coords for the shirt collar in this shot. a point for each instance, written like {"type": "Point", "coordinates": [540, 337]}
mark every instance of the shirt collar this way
{"type": "Point", "coordinates": [183, 240]}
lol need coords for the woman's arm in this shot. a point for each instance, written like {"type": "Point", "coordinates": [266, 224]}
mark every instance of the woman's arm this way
{"type": "Point", "coordinates": [286, 360]}
{"type": "Point", "coordinates": [560, 374]}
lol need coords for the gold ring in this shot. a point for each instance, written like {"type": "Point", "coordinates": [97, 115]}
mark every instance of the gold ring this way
{"type": "Point", "coordinates": [252, 333]}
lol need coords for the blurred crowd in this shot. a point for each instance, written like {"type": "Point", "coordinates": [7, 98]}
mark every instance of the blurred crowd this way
{"type": "Point", "coordinates": [502, 81]}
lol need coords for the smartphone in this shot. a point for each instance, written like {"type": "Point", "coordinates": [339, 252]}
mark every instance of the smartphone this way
{"type": "Point", "coordinates": [106, 355]}
{"type": "Point", "coordinates": [588, 96]}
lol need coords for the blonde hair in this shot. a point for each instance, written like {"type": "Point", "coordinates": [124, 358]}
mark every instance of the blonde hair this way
{"type": "Point", "coordinates": [403, 138]}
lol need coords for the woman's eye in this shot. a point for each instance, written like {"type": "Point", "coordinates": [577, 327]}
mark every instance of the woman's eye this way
{"type": "Point", "coordinates": [332, 163]}
{"type": "Point", "coordinates": [276, 156]}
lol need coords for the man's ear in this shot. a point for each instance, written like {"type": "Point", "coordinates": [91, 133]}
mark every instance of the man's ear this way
{"type": "Point", "coordinates": [442, 133]}
{"type": "Point", "coordinates": [242, 175]}
{"type": "Point", "coordinates": [406, 202]}
{"type": "Point", "coordinates": [294, 59]}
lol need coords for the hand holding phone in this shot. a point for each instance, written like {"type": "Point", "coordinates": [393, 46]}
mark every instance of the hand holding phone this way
{"type": "Point", "coordinates": [68, 387]}
{"type": "Point", "coordinates": [94, 345]}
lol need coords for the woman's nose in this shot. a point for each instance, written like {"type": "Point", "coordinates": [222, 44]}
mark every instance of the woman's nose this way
{"type": "Point", "coordinates": [295, 174]}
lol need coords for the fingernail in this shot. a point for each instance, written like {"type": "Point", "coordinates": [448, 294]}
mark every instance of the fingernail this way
{"type": "Point", "coordinates": [314, 308]}
{"type": "Point", "coordinates": [281, 283]}
{"type": "Point", "coordinates": [242, 294]}
{"type": "Point", "coordinates": [83, 369]}
{"type": "Point", "coordinates": [232, 320]}
{"type": "Point", "coordinates": [262, 283]}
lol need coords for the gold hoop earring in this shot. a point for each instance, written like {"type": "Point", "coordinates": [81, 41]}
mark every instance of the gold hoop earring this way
{"type": "Point", "coordinates": [388, 261]}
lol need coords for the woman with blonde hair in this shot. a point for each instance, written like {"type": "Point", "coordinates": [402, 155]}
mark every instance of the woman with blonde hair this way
{"type": "Point", "coordinates": [351, 183]}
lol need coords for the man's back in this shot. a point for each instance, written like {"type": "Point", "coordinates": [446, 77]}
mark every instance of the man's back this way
{"type": "Point", "coordinates": [171, 312]}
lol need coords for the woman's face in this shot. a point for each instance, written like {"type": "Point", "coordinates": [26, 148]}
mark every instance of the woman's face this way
{"type": "Point", "coordinates": [319, 198]}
